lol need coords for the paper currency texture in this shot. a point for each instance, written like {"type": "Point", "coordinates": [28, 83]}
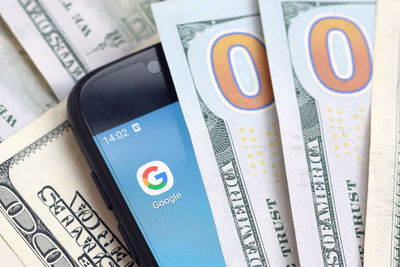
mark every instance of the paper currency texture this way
{"type": "Point", "coordinates": [320, 55]}
{"type": "Point", "coordinates": [220, 70]}
{"type": "Point", "coordinates": [51, 213]}
{"type": "Point", "coordinates": [7, 256]}
{"type": "Point", "coordinates": [382, 240]}
{"type": "Point", "coordinates": [67, 39]}
{"type": "Point", "coordinates": [24, 95]}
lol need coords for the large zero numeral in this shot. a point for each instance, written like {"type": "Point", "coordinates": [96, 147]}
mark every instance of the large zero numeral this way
{"type": "Point", "coordinates": [229, 74]}
{"type": "Point", "coordinates": [322, 59]}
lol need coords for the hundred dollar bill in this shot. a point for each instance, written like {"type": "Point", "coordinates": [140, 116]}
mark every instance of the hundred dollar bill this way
{"type": "Point", "coordinates": [7, 256]}
{"type": "Point", "coordinates": [24, 95]}
{"type": "Point", "coordinates": [68, 38]}
{"type": "Point", "coordinates": [216, 54]}
{"type": "Point", "coordinates": [321, 66]}
{"type": "Point", "coordinates": [51, 213]}
{"type": "Point", "coordinates": [382, 240]}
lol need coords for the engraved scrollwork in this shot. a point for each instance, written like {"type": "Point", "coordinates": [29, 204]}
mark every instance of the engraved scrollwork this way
{"type": "Point", "coordinates": [50, 251]}
{"type": "Point", "coordinates": [16, 210]}
{"type": "Point", "coordinates": [112, 39]}
{"type": "Point", "coordinates": [187, 32]}
{"type": "Point", "coordinates": [38, 144]}
{"type": "Point", "coordinates": [22, 217]}
{"type": "Point", "coordinates": [292, 10]}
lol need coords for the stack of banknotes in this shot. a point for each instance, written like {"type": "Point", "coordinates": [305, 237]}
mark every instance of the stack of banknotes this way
{"type": "Point", "coordinates": [293, 107]}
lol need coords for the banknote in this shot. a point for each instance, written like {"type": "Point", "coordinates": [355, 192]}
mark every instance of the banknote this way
{"type": "Point", "coordinates": [24, 94]}
{"type": "Point", "coordinates": [7, 256]}
{"type": "Point", "coordinates": [382, 240]}
{"type": "Point", "coordinates": [51, 213]}
{"type": "Point", "coordinates": [220, 71]}
{"type": "Point", "coordinates": [68, 38]}
{"type": "Point", "coordinates": [320, 55]}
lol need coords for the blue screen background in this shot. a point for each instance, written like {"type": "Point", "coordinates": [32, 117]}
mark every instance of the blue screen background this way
{"type": "Point", "coordinates": [180, 234]}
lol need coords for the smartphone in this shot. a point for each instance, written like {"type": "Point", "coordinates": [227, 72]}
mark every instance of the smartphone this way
{"type": "Point", "coordinates": [127, 119]}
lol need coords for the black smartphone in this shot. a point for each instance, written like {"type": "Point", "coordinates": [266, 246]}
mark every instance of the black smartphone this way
{"type": "Point", "coordinates": [127, 119]}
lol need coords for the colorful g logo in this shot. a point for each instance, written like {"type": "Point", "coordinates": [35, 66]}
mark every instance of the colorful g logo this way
{"type": "Point", "coordinates": [155, 178]}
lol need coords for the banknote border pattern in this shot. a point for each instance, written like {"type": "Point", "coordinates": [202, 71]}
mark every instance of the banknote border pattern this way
{"type": "Point", "coordinates": [38, 144]}
{"type": "Point", "coordinates": [312, 132]}
{"type": "Point", "coordinates": [39, 8]}
{"type": "Point", "coordinates": [395, 251]}
{"type": "Point", "coordinates": [20, 206]}
{"type": "Point", "coordinates": [310, 135]}
{"type": "Point", "coordinates": [187, 32]}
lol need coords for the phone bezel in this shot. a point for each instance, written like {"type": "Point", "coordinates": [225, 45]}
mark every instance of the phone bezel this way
{"type": "Point", "coordinates": [84, 135]}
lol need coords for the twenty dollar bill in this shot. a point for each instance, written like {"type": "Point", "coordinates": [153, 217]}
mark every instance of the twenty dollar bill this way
{"type": "Point", "coordinates": [320, 54]}
{"type": "Point", "coordinates": [216, 54]}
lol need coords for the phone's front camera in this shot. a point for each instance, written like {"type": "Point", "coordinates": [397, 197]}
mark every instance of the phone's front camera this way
{"type": "Point", "coordinates": [154, 67]}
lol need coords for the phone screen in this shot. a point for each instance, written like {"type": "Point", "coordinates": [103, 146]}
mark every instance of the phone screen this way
{"type": "Point", "coordinates": [153, 163]}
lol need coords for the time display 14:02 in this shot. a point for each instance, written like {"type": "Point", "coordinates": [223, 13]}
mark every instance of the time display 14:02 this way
{"type": "Point", "coordinates": [118, 135]}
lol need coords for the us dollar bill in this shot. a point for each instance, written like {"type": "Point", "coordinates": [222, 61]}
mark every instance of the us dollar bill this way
{"type": "Point", "coordinates": [68, 38]}
{"type": "Point", "coordinates": [220, 70]}
{"type": "Point", "coordinates": [24, 93]}
{"type": "Point", "coordinates": [382, 240]}
{"type": "Point", "coordinates": [51, 213]}
{"type": "Point", "coordinates": [7, 256]}
{"type": "Point", "coordinates": [320, 55]}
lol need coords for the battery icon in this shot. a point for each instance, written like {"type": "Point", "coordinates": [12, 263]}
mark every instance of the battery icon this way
{"type": "Point", "coordinates": [136, 127]}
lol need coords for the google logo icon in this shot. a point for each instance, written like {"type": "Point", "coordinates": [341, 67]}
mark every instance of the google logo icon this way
{"type": "Point", "coordinates": [155, 178]}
